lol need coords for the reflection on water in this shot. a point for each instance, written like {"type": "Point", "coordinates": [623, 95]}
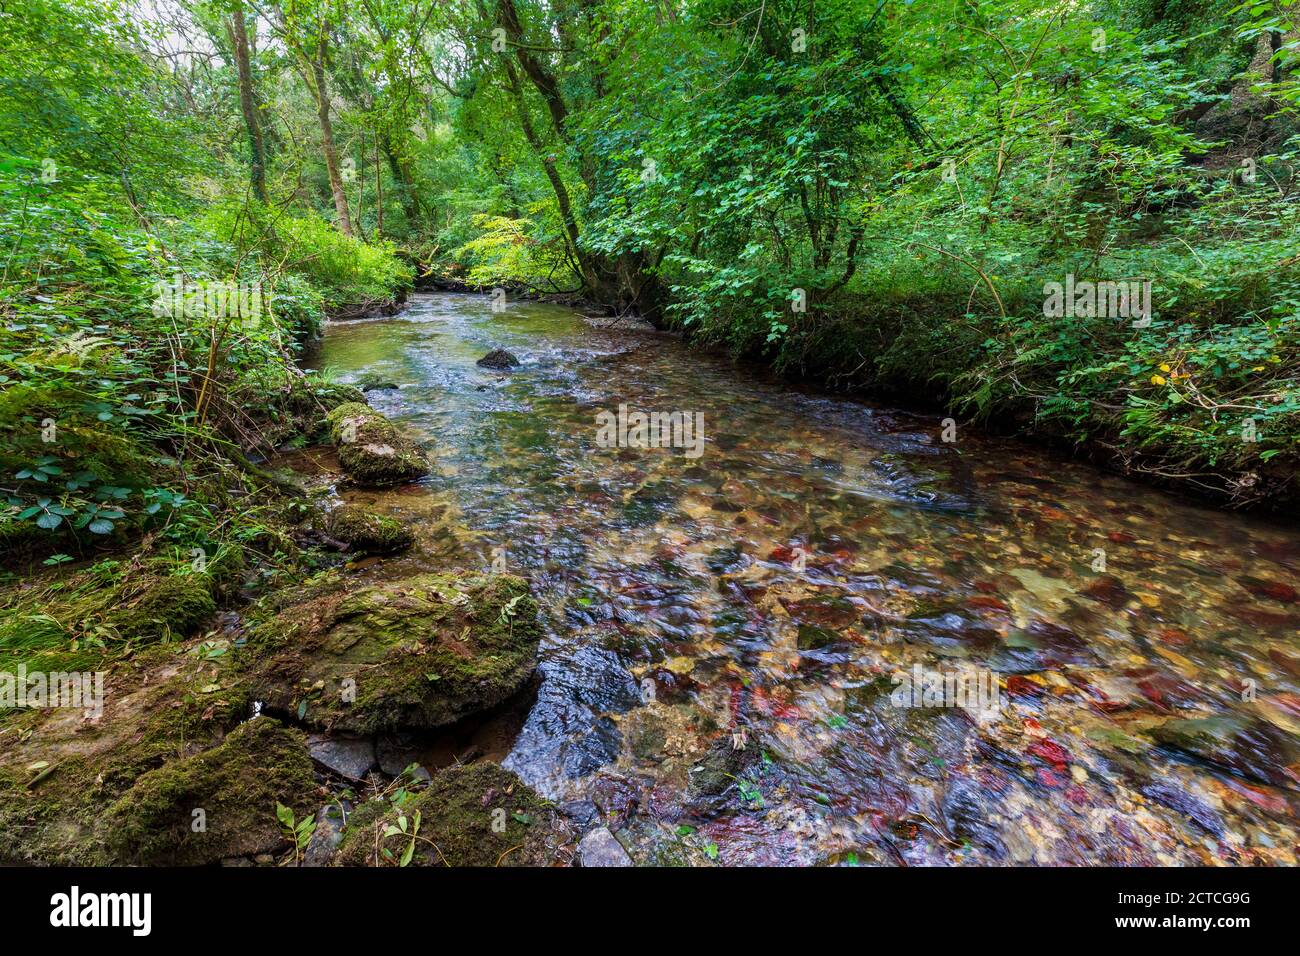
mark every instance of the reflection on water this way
{"type": "Point", "coordinates": [768, 592]}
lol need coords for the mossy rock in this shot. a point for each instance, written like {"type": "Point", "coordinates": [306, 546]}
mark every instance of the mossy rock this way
{"type": "Point", "coordinates": [372, 452]}
{"type": "Point", "coordinates": [236, 785]}
{"type": "Point", "coordinates": [368, 533]}
{"type": "Point", "coordinates": [421, 652]}
{"type": "Point", "coordinates": [310, 393]}
{"type": "Point", "coordinates": [176, 605]}
{"type": "Point", "coordinates": [290, 407]}
{"type": "Point", "coordinates": [480, 815]}
{"type": "Point", "coordinates": [163, 705]}
{"type": "Point", "coordinates": [115, 457]}
{"type": "Point", "coordinates": [373, 381]}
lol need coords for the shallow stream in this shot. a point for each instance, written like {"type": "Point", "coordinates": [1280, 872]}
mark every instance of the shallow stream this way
{"type": "Point", "coordinates": [767, 592]}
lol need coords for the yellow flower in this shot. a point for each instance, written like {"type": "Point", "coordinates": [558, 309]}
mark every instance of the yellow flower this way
{"type": "Point", "coordinates": [1164, 367]}
{"type": "Point", "coordinates": [1157, 380]}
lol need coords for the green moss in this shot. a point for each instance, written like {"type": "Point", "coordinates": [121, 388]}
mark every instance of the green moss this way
{"type": "Point", "coordinates": [368, 381]}
{"type": "Point", "coordinates": [310, 392]}
{"type": "Point", "coordinates": [372, 451]}
{"type": "Point", "coordinates": [235, 785]}
{"type": "Point", "coordinates": [163, 705]}
{"type": "Point", "coordinates": [367, 532]}
{"type": "Point", "coordinates": [140, 602]}
{"type": "Point", "coordinates": [424, 651]}
{"type": "Point", "coordinates": [291, 407]}
{"type": "Point", "coordinates": [481, 815]}
{"type": "Point", "coordinates": [114, 457]}
{"type": "Point", "coordinates": [172, 606]}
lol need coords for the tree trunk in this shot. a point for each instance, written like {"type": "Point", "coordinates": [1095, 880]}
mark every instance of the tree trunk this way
{"type": "Point", "coordinates": [620, 282]}
{"type": "Point", "coordinates": [406, 194]}
{"type": "Point", "coordinates": [379, 194]}
{"type": "Point", "coordinates": [327, 141]}
{"type": "Point", "coordinates": [247, 105]}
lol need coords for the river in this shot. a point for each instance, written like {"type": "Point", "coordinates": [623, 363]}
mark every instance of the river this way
{"type": "Point", "coordinates": [727, 633]}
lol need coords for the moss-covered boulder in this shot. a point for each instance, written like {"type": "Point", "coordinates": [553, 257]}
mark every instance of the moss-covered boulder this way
{"type": "Point", "coordinates": [310, 393]}
{"type": "Point", "coordinates": [365, 532]}
{"type": "Point", "coordinates": [291, 408]}
{"type": "Point", "coordinates": [60, 771]}
{"type": "Point", "coordinates": [215, 804]}
{"type": "Point", "coordinates": [481, 815]}
{"type": "Point", "coordinates": [420, 652]}
{"type": "Point", "coordinates": [175, 605]}
{"type": "Point", "coordinates": [372, 452]}
{"type": "Point", "coordinates": [374, 382]}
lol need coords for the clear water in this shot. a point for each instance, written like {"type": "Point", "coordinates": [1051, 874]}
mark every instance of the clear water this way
{"type": "Point", "coordinates": [680, 612]}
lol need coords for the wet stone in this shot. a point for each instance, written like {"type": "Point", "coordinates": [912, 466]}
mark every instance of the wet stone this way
{"type": "Point", "coordinates": [599, 680]}
{"type": "Point", "coordinates": [349, 757]}
{"type": "Point", "coordinates": [1248, 747]}
{"type": "Point", "coordinates": [713, 776]}
{"type": "Point", "coordinates": [396, 752]}
{"type": "Point", "coordinates": [1041, 646]}
{"type": "Point", "coordinates": [1196, 809]}
{"type": "Point", "coordinates": [325, 838]}
{"type": "Point", "coordinates": [722, 560]}
{"type": "Point", "coordinates": [601, 848]}
{"type": "Point", "coordinates": [591, 751]}
{"type": "Point", "coordinates": [581, 812]}
{"type": "Point", "coordinates": [498, 359]}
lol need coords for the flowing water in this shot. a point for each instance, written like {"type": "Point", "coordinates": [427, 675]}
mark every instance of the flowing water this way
{"type": "Point", "coordinates": [728, 634]}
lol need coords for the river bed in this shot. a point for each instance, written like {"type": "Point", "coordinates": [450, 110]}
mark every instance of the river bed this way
{"type": "Point", "coordinates": [727, 632]}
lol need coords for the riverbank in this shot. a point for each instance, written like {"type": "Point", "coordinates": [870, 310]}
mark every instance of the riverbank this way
{"type": "Point", "coordinates": [1178, 403]}
{"type": "Point", "coordinates": [173, 709]}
